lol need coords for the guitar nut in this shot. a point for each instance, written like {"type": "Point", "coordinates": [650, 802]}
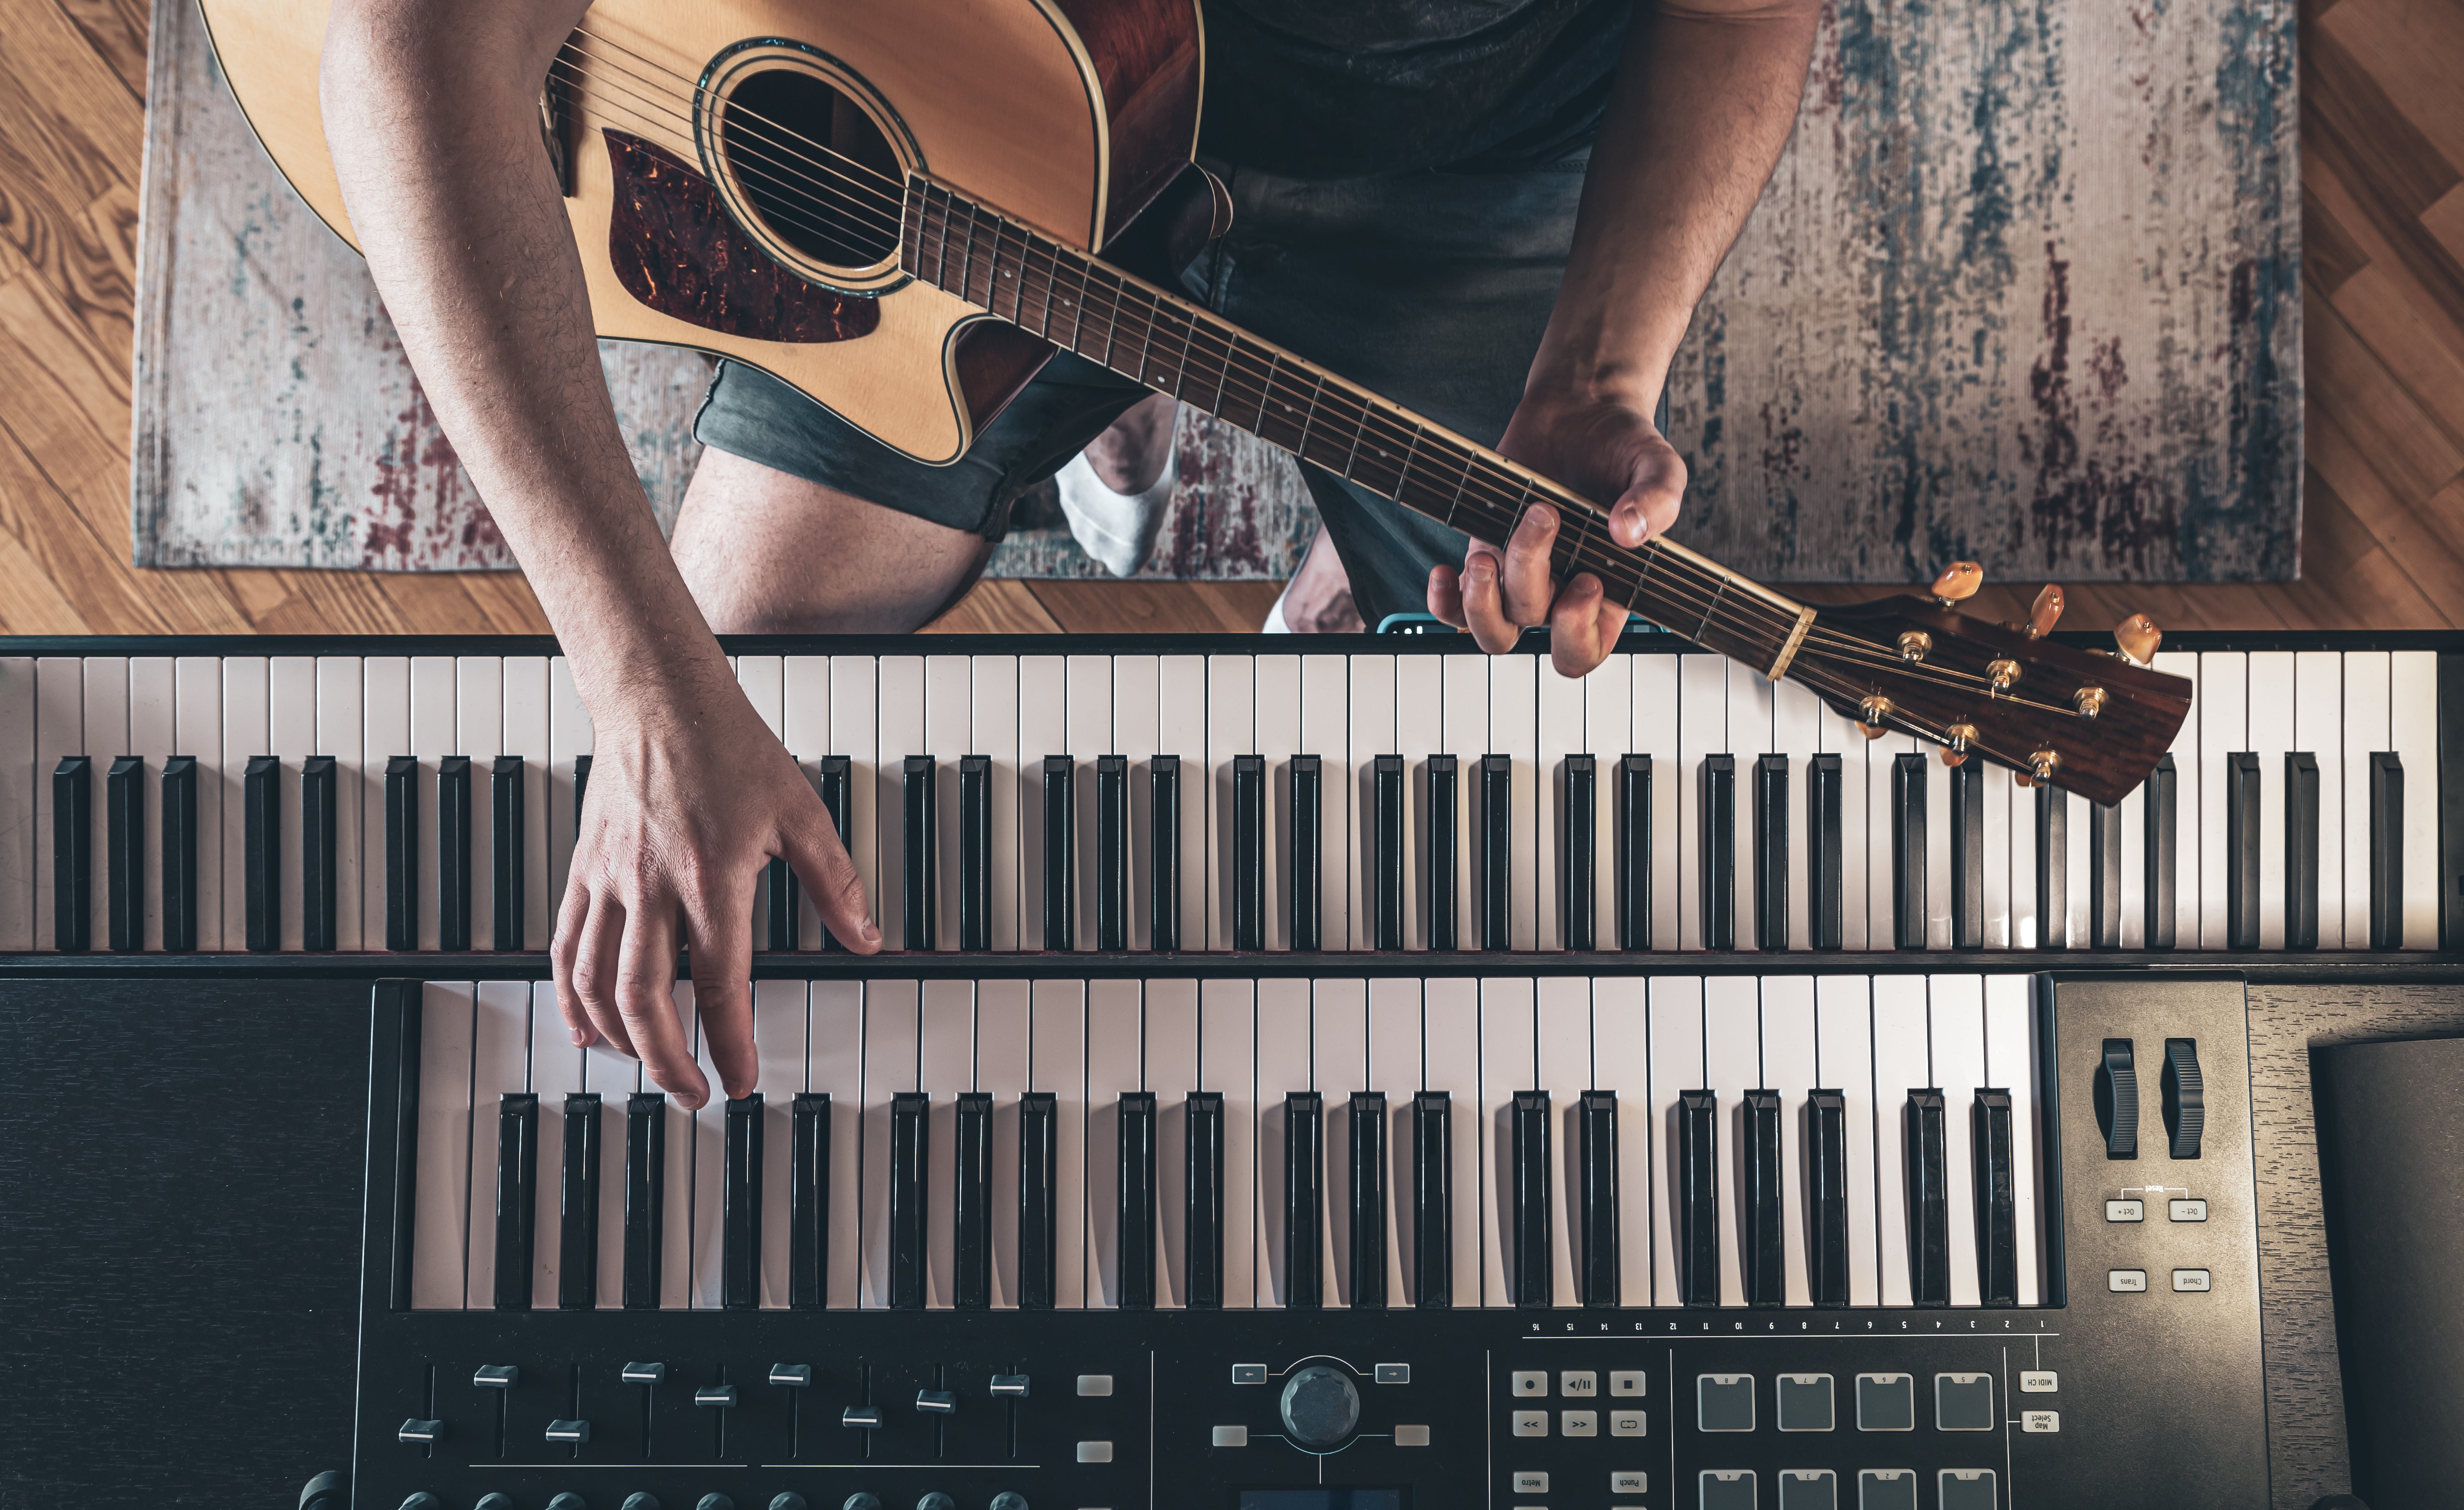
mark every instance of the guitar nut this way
{"type": "Point", "coordinates": [1915, 645]}
{"type": "Point", "coordinates": [2089, 701]}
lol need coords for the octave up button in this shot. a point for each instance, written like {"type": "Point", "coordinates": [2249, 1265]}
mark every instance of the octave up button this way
{"type": "Point", "coordinates": [2126, 1211]}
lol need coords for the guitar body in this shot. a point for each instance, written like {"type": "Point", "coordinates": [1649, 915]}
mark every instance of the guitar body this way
{"type": "Point", "coordinates": [681, 133]}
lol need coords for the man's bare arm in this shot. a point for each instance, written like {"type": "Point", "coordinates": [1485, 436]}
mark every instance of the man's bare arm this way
{"type": "Point", "coordinates": [430, 108]}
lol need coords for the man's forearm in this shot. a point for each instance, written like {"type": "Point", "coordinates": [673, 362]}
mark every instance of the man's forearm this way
{"type": "Point", "coordinates": [1704, 99]}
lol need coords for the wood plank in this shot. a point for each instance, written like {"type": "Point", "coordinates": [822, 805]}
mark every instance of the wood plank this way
{"type": "Point", "coordinates": [2410, 50]}
{"type": "Point", "coordinates": [30, 600]}
{"type": "Point", "coordinates": [2405, 446]}
{"type": "Point", "coordinates": [2330, 253]}
{"type": "Point", "coordinates": [67, 407]}
{"type": "Point", "coordinates": [2337, 200]}
{"type": "Point", "coordinates": [116, 29]}
{"type": "Point", "coordinates": [1134, 607]}
{"type": "Point", "coordinates": [2428, 370]}
{"type": "Point", "coordinates": [996, 605]}
{"type": "Point", "coordinates": [2357, 134]}
{"type": "Point", "coordinates": [2411, 533]}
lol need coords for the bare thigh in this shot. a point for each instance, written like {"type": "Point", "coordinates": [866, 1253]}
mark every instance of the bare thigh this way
{"type": "Point", "coordinates": [766, 553]}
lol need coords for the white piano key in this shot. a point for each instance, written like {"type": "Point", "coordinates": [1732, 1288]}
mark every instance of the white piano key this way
{"type": "Point", "coordinates": [1339, 1064]}
{"type": "Point", "coordinates": [890, 1055]}
{"type": "Point", "coordinates": [946, 1057]}
{"type": "Point", "coordinates": [1844, 1061]}
{"type": "Point", "coordinates": [2270, 738]}
{"type": "Point", "coordinates": [1043, 730]}
{"type": "Point", "coordinates": [291, 736]}
{"type": "Point", "coordinates": [1419, 731]}
{"type": "Point", "coordinates": [1796, 732]}
{"type": "Point", "coordinates": [1450, 1055]}
{"type": "Point", "coordinates": [479, 732]}
{"type": "Point", "coordinates": [1514, 732]}
{"type": "Point", "coordinates": [1901, 1064]}
{"type": "Point", "coordinates": [1956, 1029]}
{"type": "Point", "coordinates": [1731, 1066]}
{"type": "Point", "coordinates": [1059, 1066]}
{"type": "Point", "coordinates": [1115, 1062]}
{"type": "Point", "coordinates": [1882, 835]}
{"type": "Point", "coordinates": [1283, 1067]}
{"type": "Point", "coordinates": [1938, 851]}
{"type": "Point", "coordinates": [568, 740]}
{"type": "Point", "coordinates": [243, 735]}
{"type": "Point", "coordinates": [994, 683]}
{"type": "Point", "coordinates": [2318, 728]}
{"type": "Point", "coordinates": [614, 1076]}
{"type": "Point", "coordinates": [1658, 712]}
{"type": "Point", "coordinates": [151, 715]}
{"type": "Point", "coordinates": [949, 738]}
{"type": "Point", "coordinates": [2363, 732]}
{"type": "Point", "coordinates": [1326, 733]}
{"type": "Point", "coordinates": [1561, 733]}
{"type": "Point", "coordinates": [854, 718]}
{"type": "Point", "coordinates": [2412, 728]}
{"type": "Point", "coordinates": [781, 1029]}
{"type": "Point", "coordinates": [1676, 1065]}
{"type": "Point", "coordinates": [1136, 698]}
{"type": "Point", "coordinates": [835, 1028]}
{"type": "Point", "coordinates": [442, 1209]}
{"type": "Point", "coordinates": [2075, 894]}
{"type": "Point", "coordinates": [1791, 1067]}
{"type": "Point", "coordinates": [1180, 726]}
{"type": "Point", "coordinates": [527, 710]}
{"type": "Point", "coordinates": [1171, 1031]}
{"type": "Point", "coordinates": [763, 681]}
{"type": "Point", "coordinates": [708, 1129]}
{"type": "Point", "coordinates": [340, 722]}
{"type": "Point", "coordinates": [2134, 868]}
{"type": "Point", "coordinates": [1622, 1063]}
{"type": "Point", "coordinates": [1840, 737]}
{"type": "Point", "coordinates": [1278, 740]}
{"type": "Point", "coordinates": [385, 732]}
{"type": "Point", "coordinates": [1750, 715]}
{"type": "Point", "coordinates": [2223, 711]}
{"type": "Point", "coordinates": [500, 1064]}
{"type": "Point", "coordinates": [1998, 883]}
{"type": "Point", "coordinates": [1701, 732]}
{"type": "Point", "coordinates": [18, 828]}
{"type": "Point", "coordinates": [1227, 1063]}
{"type": "Point", "coordinates": [2011, 1063]}
{"type": "Point", "coordinates": [1608, 735]}
{"type": "Point", "coordinates": [805, 727]}
{"type": "Point", "coordinates": [557, 1072]}
{"type": "Point", "coordinates": [677, 1208]}
{"type": "Point", "coordinates": [1231, 731]}
{"type": "Point", "coordinates": [1562, 1033]}
{"type": "Point", "coordinates": [899, 707]}
{"type": "Point", "coordinates": [1003, 1039]}
{"type": "Point", "coordinates": [1373, 716]}
{"type": "Point", "coordinates": [2027, 925]}
{"type": "Point", "coordinates": [59, 731]}
{"type": "Point", "coordinates": [1466, 739]}
{"type": "Point", "coordinates": [1508, 1063]}
{"type": "Point", "coordinates": [2189, 771]}
{"type": "Point", "coordinates": [106, 737]}
{"type": "Point", "coordinates": [1088, 736]}
{"type": "Point", "coordinates": [1395, 1072]}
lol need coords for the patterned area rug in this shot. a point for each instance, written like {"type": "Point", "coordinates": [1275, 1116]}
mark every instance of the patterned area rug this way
{"type": "Point", "coordinates": [2026, 288]}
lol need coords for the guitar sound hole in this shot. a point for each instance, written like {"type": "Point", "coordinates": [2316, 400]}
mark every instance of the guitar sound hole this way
{"type": "Point", "coordinates": [815, 169]}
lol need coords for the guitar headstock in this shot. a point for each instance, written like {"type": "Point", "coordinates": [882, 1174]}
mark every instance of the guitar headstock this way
{"type": "Point", "coordinates": [2088, 721]}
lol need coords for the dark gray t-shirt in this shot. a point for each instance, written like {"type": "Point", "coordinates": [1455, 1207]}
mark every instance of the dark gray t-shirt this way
{"type": "Point", "coordinates": [1337, 88]}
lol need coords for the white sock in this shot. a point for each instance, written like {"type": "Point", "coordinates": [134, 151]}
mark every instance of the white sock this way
{"type": "Point", "coordinates": [1117, 529]}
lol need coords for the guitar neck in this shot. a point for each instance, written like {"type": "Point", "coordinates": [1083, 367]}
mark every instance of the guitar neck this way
{"type": "Point", "coordinates": [1172, 346]}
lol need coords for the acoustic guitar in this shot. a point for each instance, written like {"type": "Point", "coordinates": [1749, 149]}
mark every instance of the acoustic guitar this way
{"type": "Point", "coordinates": [903, 209]}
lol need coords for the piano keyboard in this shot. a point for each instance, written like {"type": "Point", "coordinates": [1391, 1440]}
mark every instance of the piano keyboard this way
{"type": "Point", "coordinates": [1413, 797]}
{"type": "Point", "coordinates": [1792, 1141]}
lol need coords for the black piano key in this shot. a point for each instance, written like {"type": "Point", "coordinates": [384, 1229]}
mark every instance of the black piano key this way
{"type": "Point", "coordinates": [2387, 850]}
{"type": "Point", "coordinates": [1496, 852]}
{"type": "Point", "coordinates": [1059, 843]}
{"type": "Point", "coordinates": [1444, 853]}
{"type": "Point", "coordinates": [402, 848]}
{"type": "Point", "coordinates": [72, 855]}
{"type": "Point", "coordinates": [1582, 842]}
{"type": "Point", "coordinates": [505, 849]}
{"type": "Point", "coordinates": [740, 1207]}
{"type": "Point", "coordinates": [516, 1197]}
{"type": "Point", "coordinates": [918, 802]}
{"type": "Point", "coordinates": [2053, 867]}
{"type": "Point", "coordinates": [577, 1236]}
{"type": "Point", "coordinates": [976, 852]}
{"type": "Point", "coordinates": [645, 1186]}
{"type": "Point", "coordinates": [1997, 1234]}
{"type": "Point", "coordinates": [1111, 852]}
{"type": "Point", "coordinates": [1597, 1274]}
{"type": "Point", "coordinates": [261, 851]}
{"type": "Point", "coordinates": [1697, 1197]}
{"type": "Point", "coordinates": [2301, 850]}
{"type": "Point", "coordinates": [1386, 898]}
{"type": "Point", "coordinates": [1909, 895]}
{"type": "Point", "coordinates": [1163, 877]}
{"type": "Point", "coordinates": [320, 887]}
{"type": "Point", "coordinates": [179, 854]}
{"type": "Point", "coordinates": [1763, 1252]}
{"type": "Point", "coordinates": [1716, 849]}
{"type": "Point", "coordinates": [781, 919]}
{"type": "Point", "coordinates": [2160, 857]}
{"type": "Point", "coordinates": [971, 1226]}
{"type": "Point", "coordinates": [1307, 890]}
{"type": "Point", "coordinates": [1248, 841]}
{"type": "Point", "coordinates": [1303, 1198]}
{"type": "Point", "coordinates": [834, 780]}
{"type": "Point", "coordinates": [1367, 1150]}
{"type": "Point", "coordinates": [1530, 1235]}
{"type": "Point", "coordinates": [1136, 1210]}
{"type": "Point", "coordinates": [1039, 1172]}
{"type": "Point", "coordinates": [2105, 875]}
{"type": "Point", "coordinates": [1826, 1193]}
{"type": "Point", "coordinates": [580, 792]}
{"type": "Point", "coordinates": [1769, 798]}
{"type": "Point", "coordinates": [2241, 850]}
{"type": "Point", "coordinates": [1928, 1198]}
{"type": "Point", "coordinates": [1433, 1283]}
{"type": "Point", "coordinates": [1968, 854]}
{"type": "Point", "coordinates": [1825, 904]}
{"type": "Point", "coordinates": [454, 852]}
{"type": "Point", "coordinates": [123, 842]}
{"type": "Point", "coordinates": [809, 1201]}
{"type": "Point", "coordinates": [911, 1194]}
{"type": "Point", "coordinates": [1633, 852]}
{"type": "Point", "coordinates": [1202, 1190]}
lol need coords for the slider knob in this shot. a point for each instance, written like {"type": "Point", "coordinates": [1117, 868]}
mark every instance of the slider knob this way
{"type": "Point", "coordinates": [1321, 1407]}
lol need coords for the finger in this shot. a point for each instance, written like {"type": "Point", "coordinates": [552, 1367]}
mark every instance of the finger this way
{"type": "Point", "coordinates": [646, 997]}
{"type": "Point", "coordinates": [596, 957]}
{"type": "Point", "coordinates": [1446, 595]}
{"type": "Point", "coordinates": [809, 842]}
{"type": "Point", "coordinates": [1650, 503]}
{"type": "Point", "coordinates": [1578, 636]}
{"type": "Point", "coordinates": [1526, 579]}
{"type": "Point", "coordinates": [1482, 613]}
{"type": "Point", "coordinates": [722, 971]}
{"type": "Point", "coordinates": [569, 918]}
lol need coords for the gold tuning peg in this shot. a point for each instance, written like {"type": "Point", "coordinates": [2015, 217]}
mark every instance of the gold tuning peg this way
{"type": "Point", "coordinates": [1958, 582]}
{"type": "Point", "coordinates": [2047, 612]}
{"type": "Point", "coordinates": [2137, 636]}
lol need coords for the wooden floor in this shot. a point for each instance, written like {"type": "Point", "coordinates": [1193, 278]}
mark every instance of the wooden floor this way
{"type": "Point", "coordinates": [2383, 540]}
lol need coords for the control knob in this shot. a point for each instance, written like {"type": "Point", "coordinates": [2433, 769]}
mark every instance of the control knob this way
{"type": "Point", "coordinates": [1321, 1407]}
